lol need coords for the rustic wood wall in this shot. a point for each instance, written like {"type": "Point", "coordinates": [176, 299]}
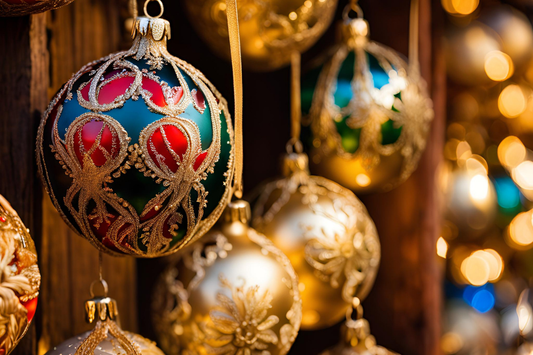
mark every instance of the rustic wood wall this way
{"type": "Point", "coordinates": [41, 52]}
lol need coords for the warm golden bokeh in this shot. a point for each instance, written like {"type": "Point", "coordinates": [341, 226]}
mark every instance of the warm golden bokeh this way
{"type": "Point", "coordinates": [511, 152]}
{"type": "Point", "coordinates": [521, 230]}
{"type": "Point", "coordinates": [498, 66]}
{"type": "Point", "coordinates": [512, 101]}
{"type": "Point", "coordinates": [442, 248]}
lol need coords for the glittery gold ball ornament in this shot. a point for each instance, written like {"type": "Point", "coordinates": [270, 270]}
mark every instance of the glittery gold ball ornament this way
{"type": "Point", "coordinates": [326, 233]}
{"type": "Point", "coordinates": [270, 30]}
{"type": "Point", "coordinates": [10, 8]}
{"type": "Point", "coordinates": [136, 149]}
{"type": "Point", "coordinates": [20, 278]}
{"type": "Point", "coordinates": [108, 346]}
{"type": "Point", "coordinates": [107, 338]}
{"type": "Point", "coordinates": [231, 292]}
{"type": "Point", "coordinates": [370, 114]}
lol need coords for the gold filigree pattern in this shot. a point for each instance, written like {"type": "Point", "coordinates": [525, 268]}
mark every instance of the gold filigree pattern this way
{"type": "Point", "coordinates": [350, 255]}
{"type": "Point", "coordinates": [19, 277]}
{"type": "Point", "coordinates": [240, 320]}
{"type": "Point", "coordinates": [403, 100]}
{"type": "Point", "coordinates": [241, 323]}
{"type": "Point", "coordinates": [345, 256]}
{"type": "Point", "coordinates": [94, 207]}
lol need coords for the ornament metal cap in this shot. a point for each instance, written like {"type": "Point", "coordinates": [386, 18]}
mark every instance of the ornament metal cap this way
{"type": "Point", "coordinates": [356, 32]}
{"type": "Point", "coordinates": [294, 163]}
{"type": "Point", "coordinates": [157, 28]}
{"type": "Point", "coordinates": [238, 211]}
{"type": "Point", "coordinates": [100, 308]}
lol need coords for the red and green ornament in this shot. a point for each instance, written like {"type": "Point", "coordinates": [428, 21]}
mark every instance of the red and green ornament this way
{"type": "Point", "coordinates": [136, 149]}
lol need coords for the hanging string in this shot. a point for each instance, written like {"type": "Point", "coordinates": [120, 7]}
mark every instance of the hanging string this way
{"type": "Point", "coordinates": [296, 103]}
{"type": "Point", "coordinates": [413, 34]}
{"type": "Point", "coordinates": [235, 46]}
{"type": "Point", "coordinates": [100, 265]}
{"type": "Point", "coordinates": [133, 9]}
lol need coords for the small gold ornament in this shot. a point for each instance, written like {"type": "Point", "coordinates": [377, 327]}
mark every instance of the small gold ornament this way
{"type": "Point", "coordinates": [231, 292]}
{"type": "Point", "coordinates": [20, 278]}
{"type": "Point", "coordinates": [370, 114]}
{"type": "Point", "coordinates": [328, 236]}
{"type": "Point", "coordinates": [356, 337]}
{"type": "Point", "coordinates": [10, 8]}
{"type": "Point", "coordinates": [270, 30]}
{"type": "Point", "coordinates": [107, 338]}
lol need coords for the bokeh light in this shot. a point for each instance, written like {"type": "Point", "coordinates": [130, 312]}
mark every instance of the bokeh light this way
{"type": "Point", "coordinates": [523, 175]}
{"type": "Point", "coordinates": [521, 229]}
{"type": "Point", "coordinates": [479, 187]}
{"type": "Point", "coordinates": [480, 298]}
{"type": "Point", "coordinates": [508, 193]}
{"type": "Point", "coordinates": [460, 7]}
{"type": "Point", "coordinates": [476, 270]}
{"type": "Point", "coordinates": [498, 66]}
{"type": "Point", "coordinates": [512, 101]}
{"type": "Point", "coordinates": [511, 152]}
{"type": "Point", "coordinates": [442, 248]}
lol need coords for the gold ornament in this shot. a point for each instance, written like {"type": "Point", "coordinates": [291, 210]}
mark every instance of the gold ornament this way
{"type": "Point", "coordinates": [107, 338]}
{"type": "Point", "coordinates": [356, 337]}
{"type": "Point", "coordinates": [20, 278]}
{"type": "Point", "coordinates": [328, 236]}
{"type": "Point", "coordinates": [370, 114]}
{"type": "Point", "coordinates": [270, 30]}
{"type": "Point", "coordinates": [9, 8]}
{"type": "Point", "coordinates": [470, 201]}
{"type": "Point", "coordinates": [231, 292]}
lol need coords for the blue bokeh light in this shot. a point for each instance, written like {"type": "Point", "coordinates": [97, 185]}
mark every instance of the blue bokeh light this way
{"type": "Point", "coordinates": [507, 192]}
{"type": "Point", "coordinates": [480, 298]}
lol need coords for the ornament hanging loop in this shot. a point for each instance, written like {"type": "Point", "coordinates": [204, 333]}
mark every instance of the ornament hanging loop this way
{"type": "Point", "coordinates": [160, 5]}
{"type": "Point", "coordinates": [357, 307]}
{"type": "Point", "coordinates": [102, 283]}
{"type": "Point", "coordinates": [294, 145]}
{"type": "Point", "coordinates": [353, 6]}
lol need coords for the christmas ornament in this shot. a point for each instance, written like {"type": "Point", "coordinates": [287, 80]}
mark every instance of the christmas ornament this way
{"type": "Point", "coordinates": [231, 292]}
{"type": "Point", "coordinates": [106, 338]}
{"type": "Point", "coordinates": [135, 150]}
{"type": "Point", "coordinates": [371, 111]}
{"type": "Point", "coordinates": [270, 30]}
{"type": "Point", "coordinates": [10, 8]}
{"type": "Point", "coordinates": [327, 234]}
{"type": "Point", "coordinates": [356, 337]}
{"type": "Point", "coordinates": [471, 202]}
{"type": "Point", "coordinates": [20, 278]}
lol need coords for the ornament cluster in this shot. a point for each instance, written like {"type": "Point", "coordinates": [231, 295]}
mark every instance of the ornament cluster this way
{"type": "Point", "coordinates": [138, 154]}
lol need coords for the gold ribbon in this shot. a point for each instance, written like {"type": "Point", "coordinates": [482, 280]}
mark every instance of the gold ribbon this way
{"type": "Point", "coordinates": [133, 9]}
{"type": "Point", "coordinates": [413, 34]}
{"type": "Point", "coordinates": [236, 63]}
{"type": "Point", "coordinates": [296, 103]}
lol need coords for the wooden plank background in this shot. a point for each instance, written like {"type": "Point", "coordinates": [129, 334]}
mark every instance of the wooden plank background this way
{"type": "Point", "coordinates": [41, 52]}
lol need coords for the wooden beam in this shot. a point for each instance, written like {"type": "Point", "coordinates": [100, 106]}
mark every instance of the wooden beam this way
{"type": "Point", "coordinates": [23, 85]}
{"type": "Point", "coordinates": [404, 308]}
{"type": "Point", "coordinates": [79, 33]}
